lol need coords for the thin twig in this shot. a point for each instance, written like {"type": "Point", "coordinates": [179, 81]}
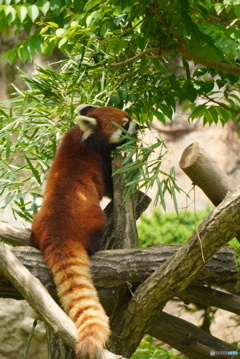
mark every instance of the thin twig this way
{"type": "Point", "coordinates": [195, 220]}
{"type": "Point", "coordinates": [134, 58]}
{"type": "Point", "coordinates": [222, 105]}
{"type": "Point", "coordinates": [160, 53]}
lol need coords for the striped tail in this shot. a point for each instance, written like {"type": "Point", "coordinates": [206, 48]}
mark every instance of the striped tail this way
{"type": "Point", "coordinates": [70, 266]}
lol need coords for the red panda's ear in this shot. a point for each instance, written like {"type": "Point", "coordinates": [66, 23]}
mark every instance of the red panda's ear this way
{"type": "Point", "coordinates": [86, 124]}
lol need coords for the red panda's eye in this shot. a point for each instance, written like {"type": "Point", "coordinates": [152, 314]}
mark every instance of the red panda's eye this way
{"type": "Point", "coordinates": [126, 126]}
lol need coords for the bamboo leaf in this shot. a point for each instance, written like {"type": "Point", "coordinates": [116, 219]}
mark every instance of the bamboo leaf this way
{"type": "Point", "coordinates": [33, 169]}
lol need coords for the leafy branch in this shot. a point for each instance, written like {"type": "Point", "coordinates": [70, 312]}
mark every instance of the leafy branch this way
{"type": "Point", "coordinates": [143, 168]}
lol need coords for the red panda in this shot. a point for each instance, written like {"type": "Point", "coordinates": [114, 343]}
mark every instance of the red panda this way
{"type": "Point", "coordinates": [70, 223]}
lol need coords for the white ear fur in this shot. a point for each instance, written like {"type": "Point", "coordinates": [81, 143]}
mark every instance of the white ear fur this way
{"type": "Point", "coordinates": [86, 124]}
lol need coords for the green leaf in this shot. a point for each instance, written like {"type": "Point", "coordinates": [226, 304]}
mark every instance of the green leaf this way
{"type": "Point", "coordinates": [62, 42]}
{"type": "Point", "coordinates": [219, 7]}
{"type": "Point", "coordinates": [141, 42]}
{"type": "Point", "coordinates": [8, 146]}
{"type": "Point", "coordinates": [9, 169]}
{"type": "Point", "coordinates": [22, 12]}
{"type": "Point", "coordinates": [36, 43]}
{"type": "Point", "coordinates": [43, 6]}
{"type": "Point", "coordinates": [237, 11]}
{"type": "Point", "coordinates": [10, 13]}
{"type": "Point", "coordinates": [33, 169]}
{"type": "Point", "coordinates": [160, 116]}
{"type": "Point", "coordinates": [10, 55]}
{"type": "Point", "coordinates": [55, 6]}
{"type": "Point", "coordinates": [33, 12]}
{"type": "Point", "coordinates": [23, 53]}
{"type": "Point", "coordinates": [116, 45]}
{"type": "Point", "coordinates": [60, 31]}
{"type": "Point", "coordinates": [53, 24]}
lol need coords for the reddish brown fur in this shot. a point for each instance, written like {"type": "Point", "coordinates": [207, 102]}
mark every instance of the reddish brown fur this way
{"type": "Point", "coordinates": [70, 224]}
{"type": "Point", "coordinates": [106, 117]}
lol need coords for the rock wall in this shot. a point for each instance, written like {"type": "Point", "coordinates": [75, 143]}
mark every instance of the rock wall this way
{"type": "Point", "coordinates": [15, 328]}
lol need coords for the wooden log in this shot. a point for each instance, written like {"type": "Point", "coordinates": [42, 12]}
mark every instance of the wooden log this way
{"type": "Point", "coordinates": [120, 268]}
{"type": "Point", "coordinates": [205, 173]}
{"type": "Point", "coordinates": [180, 334]}
{"type": "Point", "coordinates": [14, 235]}
{"type": "Point", "coordinates": [189, 339]}
{"type": "Point", "coordinates": [209, 297]}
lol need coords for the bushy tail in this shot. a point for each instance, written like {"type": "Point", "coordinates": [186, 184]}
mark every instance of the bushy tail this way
{"type": "Point", "coordinates": [78, 296]}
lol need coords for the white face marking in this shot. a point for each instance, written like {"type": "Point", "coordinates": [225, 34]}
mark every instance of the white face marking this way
{"type": "Point", "coordinates": [132, 127]}
{"type": "Point", "coordinates": [115, 138]}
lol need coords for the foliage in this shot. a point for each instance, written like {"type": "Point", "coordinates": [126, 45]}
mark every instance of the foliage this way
{"type": "Point", "coordinates": [149, 45]}
{"type": "Point", "coordinates": [235, 244]}
{"type": "Point", "coordinates": [150, 350]}
{"type": "Point", "coordinates": [168, 228]}
{"type": "Point", "coordinates": [146, 170]}
{"type": "Point", "coordinates": [132, 54]}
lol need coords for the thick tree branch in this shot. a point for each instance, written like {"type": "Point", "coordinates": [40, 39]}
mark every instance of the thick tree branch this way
{"type": "Point", "coordinates": [124, 212]}
{"type": "Point", "coordinates": [121, 268]}
{"type": "Point", "coordinates": [208, 297]}
{"type": "Point", "coordinates": [142, 202]}
{"type": "Point", "coordinates": [197, 294]}
{"type": "Point", "coordinates": [204, 172]}
{"type": "Point", "coordinates": [110, 271]}
{"type": "Point", "coordinates": [221, 66]}
{"type": "Point", "coordinates": [176, 274]}
{"type": "Point", "coordinates": [14, 235]}
{"type": "Point", "coordinates": [187, 338]}
{"type": "Point", "coordinates": [184, 336]}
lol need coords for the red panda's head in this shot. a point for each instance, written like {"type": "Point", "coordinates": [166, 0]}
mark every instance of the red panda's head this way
{"type": "Point", "coordinates": [100, 120]}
